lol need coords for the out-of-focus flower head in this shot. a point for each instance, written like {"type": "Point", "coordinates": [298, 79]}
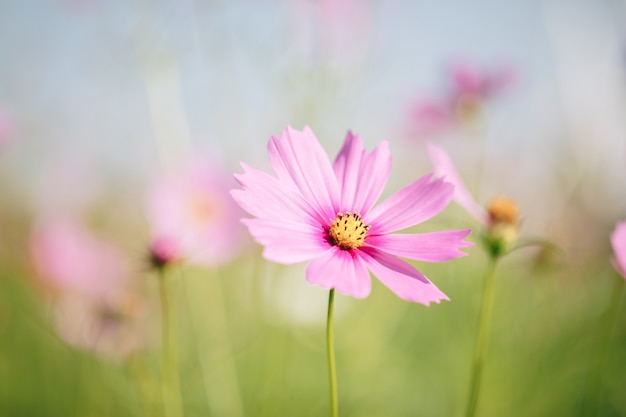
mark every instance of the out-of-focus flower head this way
{"type": "Point", "coordinates": [468, 89]}
{"type": "Point", "coordinates": [113, 329]}
{"type": "Point", "coordinates": [163, 252]}
{"type": "Point", "coordinates": [193, 216]}
{"type": "Point", "coordinates": [618, 241]}
{"type": "Point", "coordinates": [312, 210]}
{"type": "Point", "coordinates": [69, 258]}
{"type": "Point", "coordinates": [88, 279]}
{"type": "Point", "coordinates": [472, 87]}
{"type": "Point", "coordinates": [467, 79]}
{"type": "Point", "coordinates": [500, 219]}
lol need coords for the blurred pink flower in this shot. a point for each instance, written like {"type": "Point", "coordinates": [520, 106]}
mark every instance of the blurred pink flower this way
{"type": "Point", "coordinates": [68, 258]}
{"type": "Point", "coordinates": [193, 216]}
{"type": "Point", "coordinates": [469, 80]}
{"type": "Point", "coordinates": [163, 251]}
{"type": "Point", "coordinates": [112, 329]}
{"type": "Point", "coordinates": [93, 306]}
{"type": "Point", "coordinates": [618, 241]}
{"type": "Point", "coordinates": [469, 88]}
{"type": "Point", "coordinates": [320, 212]}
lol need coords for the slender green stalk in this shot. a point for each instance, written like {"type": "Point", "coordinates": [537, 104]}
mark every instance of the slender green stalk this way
{"type": "Point", "coordinates": [482, 336]}
{"type": "Point", "coordinates": [169, 368]}
{"type": "Point", "coordinates": [223, 398]}
{"type": "Point", "coordinates": [608, 321]}
{"type": "Point", "coordinates": [334, 404]}
{"type": "Point", "coordinates": [147, 385]}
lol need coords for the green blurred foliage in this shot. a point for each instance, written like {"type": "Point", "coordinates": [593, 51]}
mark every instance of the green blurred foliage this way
{"type": "Point", "coordinates": [238, 356]}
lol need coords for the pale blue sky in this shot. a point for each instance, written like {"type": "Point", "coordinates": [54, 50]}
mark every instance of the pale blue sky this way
{"type": "Point", "coordinates": [105, 78]}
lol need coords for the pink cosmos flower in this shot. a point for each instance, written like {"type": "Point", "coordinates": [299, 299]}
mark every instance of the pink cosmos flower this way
{"type": "Point", "coordinates": [467, 79]}
{"type": "Point", "coordinates": [469, 88]}
{"type": "Point", "coordinates": [618, 241]}
{"type": "Point", "coordinates": [193, 216]}
{"type": "Point", "coordinates": [312, 210]}
{"type": "Point", "coordinates": [93, 307]}
{"type": "Point", "coordinates": [68, 258]}
{"type": "Point", "coordinates": [111, 329]}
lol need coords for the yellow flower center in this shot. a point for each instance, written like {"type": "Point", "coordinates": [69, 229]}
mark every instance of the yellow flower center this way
{"type": "Point", "coordinates": [203, 210]}
{"type": "Point", "coordinates": [347, 231]}
{"type": "Point", "coordinates": [503, 210]}
{"type": "Point", "coordinates": [503, 220]}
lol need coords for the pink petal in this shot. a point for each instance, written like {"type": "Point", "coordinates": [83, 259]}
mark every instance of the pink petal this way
{"type": "Point", "coordinates": [298, 158]}
{"type": "Point", "coordinates": [266, 197]}
{"type": "Point", "coordinates": [361, 175]}
{"type": "Point", "coordinates": [427, 247]}
{"type": "Point", "coordinates": [618, 241]}
{"type": "Point", "coordinates": [501, 79]}
{"type": "Point", "coordinates": [287, 242]}
{"type": "Point", "coordinates": [445, 168]}
{"type": "Point", "coordinates": [342, 270]}
{"type": "Point", "coordinates": [467, 79]}
{"type": "Point", "coordinates": [413, 204]}
{"type": "Point", "coordinates": [191, 206]}
{"type": "Point", "coordinates": [403, 279]}
{"type": "Point", "coordinates": [69, 258]}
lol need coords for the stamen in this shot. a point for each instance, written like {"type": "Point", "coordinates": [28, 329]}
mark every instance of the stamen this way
{"type": "Point", "coordinates": [347, 231]}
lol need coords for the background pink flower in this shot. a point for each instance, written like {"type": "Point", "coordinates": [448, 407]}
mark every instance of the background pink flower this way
{"type": "Point", "coordinates": [69, 258]}
{"type": "Point", "coordinates": [323, 213]}
{"type": "Point", "coordinates": [92, 305]}
{"type": "Point", "coordinates": [468, 88]}
{"type": "Point", "coordinates": [191, 210]}
{"type": "Point", "coordinates": [112, 329]}
{"type": "Point", "coordinates": [618, 241]}
{"type": "Point", "coordinates": [467, 79]}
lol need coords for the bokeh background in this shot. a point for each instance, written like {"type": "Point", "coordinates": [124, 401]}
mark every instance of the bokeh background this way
{"type": "Point", "coordinates": [100, 98]}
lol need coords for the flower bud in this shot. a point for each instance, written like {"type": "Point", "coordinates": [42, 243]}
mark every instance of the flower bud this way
{"type": "Point", "coordinates": [163, 252]}
{"type": "Point", "coordinates": [502, 225]}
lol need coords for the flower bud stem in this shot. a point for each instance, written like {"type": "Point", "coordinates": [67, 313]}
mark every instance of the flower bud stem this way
{"type": "Point", "coordinates": [169, 369]}
{"type": "Point", "coordinates": [592, 406]}
{"type": "Point", "coordinates": [482, 335]}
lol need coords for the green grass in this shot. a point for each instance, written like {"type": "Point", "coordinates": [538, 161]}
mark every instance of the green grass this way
{"type": "Point", "coordinates": [240, 355]}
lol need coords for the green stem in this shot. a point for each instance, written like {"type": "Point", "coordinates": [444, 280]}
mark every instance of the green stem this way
{"type": "Point", "coordinates": [146, 384]}
{"type": "Point", "coordinates": [169, 368]}
{"type": "Point", "coordinates": [482, 336]}
{"type": "Point", "coordinates": [593, 404]}
{"type": "Point", "coordinates": [334, 404]}
{"type": "Point", "coordinates": [223, 398]}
